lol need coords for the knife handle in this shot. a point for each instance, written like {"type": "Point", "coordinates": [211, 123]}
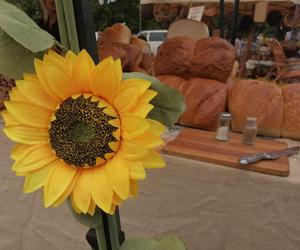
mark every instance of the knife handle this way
{"type": "Point", "coordinates": [253, 158]}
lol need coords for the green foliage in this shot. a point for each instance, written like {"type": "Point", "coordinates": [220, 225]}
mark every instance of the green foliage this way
{"type": "Point", "coordinates": [118, 12]}
{"type": "Point", "coordinates": [21, 40]}
{"type": "Point", "coordinates": [168, 104]}
{"type": "Point", "coordinates": [31, 7]}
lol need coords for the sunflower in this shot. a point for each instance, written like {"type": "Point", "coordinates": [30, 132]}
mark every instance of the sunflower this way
{"type": "Point", "coordinates": [82, 132]}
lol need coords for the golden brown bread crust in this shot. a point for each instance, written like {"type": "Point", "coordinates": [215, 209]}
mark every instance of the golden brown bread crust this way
{"type": "Point", "coordinates": [205, 99]}
{"type": "Point", "coordinates": [263, 100]}
{"type": "Point", "coordinates": [114, 50]}
{"type": "Point", "coordinates": [291, 124]}
{"type": "Point", "coordinates": [147, 63]}
{"type": "Point", "coordinates": [134, 55]}
{"type": "Point", "coordinates": [173, 57]}
{"type": "Point", "coordinates": [213, 58]}
{"type": "Point", "coordinates": [140, 43]}
{"type": "Point", "coordinates": [172, 81]}
{"type": "Point", "coordinates": [118, 33]}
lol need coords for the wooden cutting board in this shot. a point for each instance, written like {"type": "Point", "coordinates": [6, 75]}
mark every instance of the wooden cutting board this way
{"type": "Point", "coordinates": [201, 145]}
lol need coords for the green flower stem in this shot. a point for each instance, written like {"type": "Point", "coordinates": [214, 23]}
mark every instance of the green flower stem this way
{"type": "Point", "coordinates": [100, 233]}
{"type": "Point", "coordinates": [63, 30]}
{"type": "Point", "coordinates": [113, 232]}
{"type": "Point", "coordinates": [71, 25]}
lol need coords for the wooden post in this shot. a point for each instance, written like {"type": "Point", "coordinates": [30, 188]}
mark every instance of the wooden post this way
{"type": "Point", "coordinates": [235, 20]}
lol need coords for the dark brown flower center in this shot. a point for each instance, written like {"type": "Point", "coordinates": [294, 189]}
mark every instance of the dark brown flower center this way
{"type": "Point", "coordinates": [80, 132]}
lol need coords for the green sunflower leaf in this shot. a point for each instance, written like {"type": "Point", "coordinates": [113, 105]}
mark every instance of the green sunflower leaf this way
{"type": "Point", "coordinates": [23, 29]}
{"type": "Point", "coordinates": [168, 104]}
{"type": "Point", "coordinates": [86, 219]}
{"type": "Point", "coordinates": [167, 243]}
{"type": "Point", "coordinates": [14, 58]}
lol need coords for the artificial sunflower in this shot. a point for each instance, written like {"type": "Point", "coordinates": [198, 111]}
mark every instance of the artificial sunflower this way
{"type": "Point", "coordinates": [82, 131]}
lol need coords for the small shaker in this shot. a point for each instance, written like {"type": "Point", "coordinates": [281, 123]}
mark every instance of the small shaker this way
{"type": "Point", "coordinates": [250, 131]}
{"type": "Point", "coordinates": [223, 126]}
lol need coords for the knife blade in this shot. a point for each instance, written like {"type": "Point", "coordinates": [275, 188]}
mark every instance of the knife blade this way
{"type": "Point", "coordinates": [247, 159]}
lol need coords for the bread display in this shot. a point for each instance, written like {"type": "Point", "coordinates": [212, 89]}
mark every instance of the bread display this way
{"type": "Point", "coordinates": [175, 82]}
{"type": "Point", "coordinates": [263, 100]}
{"type": "Point", "coordinates": [205, 99]}
{"type": "Point", "coordinates": [118, 33]}
{"type": "Point", "coordinates": [174, 57]}
{"type": "Point", "coordinates": [135, 53]}
{"type": "Point", "coordinates": [291, 123]}
{"type": "Point", "coordinates": [213, 58]}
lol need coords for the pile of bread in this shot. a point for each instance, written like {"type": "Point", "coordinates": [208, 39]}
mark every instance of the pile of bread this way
{"type": "Point", "coordinates": [203, 72]}
{"type": "Point", "coordinates": [135, 53]}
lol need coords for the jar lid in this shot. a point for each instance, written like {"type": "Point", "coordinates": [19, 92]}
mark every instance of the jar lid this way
{"type": "Point", "coordinates": [225, 115]}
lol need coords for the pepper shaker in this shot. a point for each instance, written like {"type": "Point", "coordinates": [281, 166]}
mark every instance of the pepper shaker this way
{"type": "Point", "coordinates": [250, 131]}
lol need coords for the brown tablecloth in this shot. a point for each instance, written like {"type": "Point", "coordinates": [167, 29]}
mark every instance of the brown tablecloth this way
{"type": "Point", "coordinates": [209, 207]}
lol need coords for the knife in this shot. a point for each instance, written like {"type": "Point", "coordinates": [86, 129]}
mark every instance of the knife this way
{"type": "Point", "coordinates": [247, 159]}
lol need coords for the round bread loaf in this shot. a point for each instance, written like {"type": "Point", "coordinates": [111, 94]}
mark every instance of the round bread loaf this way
{"type": "Point", "coordinates": [174, 57]}
{"type": "Point", "coordinates": [118, 33]}
{"type": "Point", "coordinates": [213, 58]}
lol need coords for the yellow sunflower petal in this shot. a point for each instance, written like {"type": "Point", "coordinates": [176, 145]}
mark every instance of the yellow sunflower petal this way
{"type": "Point", "coordinates": [36, 158]}
{"type": "Point", "coordinates": [70, 60]}
{"type": "Point", "coordinates": [153, 160]}
{"type": "Point", "coordinates": [126, 100]}
{"type": "Point", "coordinates": [136, 170]}
{"type": "Point", "coordinates": [59, 79]}
{"type": "Point", "coordinates": [142, 110]}
{"type": "Point", "coordinates": [26, 135]}
{"type": "Point", "coordinates": [28, 114]}
{"type": "Point", "coordinates": [118, 70]}
{"type": "Point", "coordinates": [147, 97]}
{"type": "Point", "coordinates": [105, 83]}
{"type": "Point", "coordinates": [16, 95]}
{"type": "Point", "coordinates": [149, 140]}
{"type": "Point", "coordinates": [36, 94]}
{"type": "Point", "coordinates": [101, 189]}
{"type": "Point", "coordinates": [21, 150]}
{"type": "Point", "coordinates": [82, 71]}
{"type": "Point", "coordinates": [30, 77]}
{"type": "Point", "coordinates": [133, 126]}
{"type": "Point", "coordinates": [117, 199]}
{"type": "Point", "coordinates": [118, 173]}
{"type": "Point", "coordinates": [140, 84]}
{"type": "Point", "coordinates": [112, 209]}
{"type": "Point", "coordinates": [58, 59]}
{"type": "Point", "coordinates": [81, 193]}
{"type": "Point", "coordinates": [76, 209]}
{"type": "Point", "coordinates": [92, 208]}
{"type": "Point", "coordinates": [131, 150]}
{"type": "Point", "coordinates": [133, 188]}
{"type": "Point", "coordinates": [36, 179]}
{"type": "Point", "coordinates": [40, 72]}
{"type": "Point", "coordinates": [156, 127]}
{"type": "Point", "coordinates": [9, 119]}
{"type": "Point", "coordinates": [58, 181]}
{"type": "Point", "coordinates": [66, 193]}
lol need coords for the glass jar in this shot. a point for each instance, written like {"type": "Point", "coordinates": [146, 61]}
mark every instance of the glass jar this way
{"type": "Point", "coordinates": [223, 126]}
{"type": "Point", "coordinates": [250, 131]}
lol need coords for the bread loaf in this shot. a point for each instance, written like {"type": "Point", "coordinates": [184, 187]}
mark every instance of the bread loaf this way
{"type": "Point", "coordinates": [134, 55]}
{"type": "Point", "coordinates": [291, 123]}
{"type": "Point", "coordinates": [148, 63]}
{"type": "Point", "coordinates": [213, 58]}
{"type": "Point", "coordinates": [263, 100]}
{"type": "Point", "coordinates": [204, 99]}
{"type": "Point", "coordinates": [118, 33]}
{"type": "Point", "coordinates": [172, 81]}
{"type": "Point", "coordinates": [173, 57]}
{"type": "Point", "coordinates": [114, 50]}
{"type": "Point", "coordinates": [140, 43]}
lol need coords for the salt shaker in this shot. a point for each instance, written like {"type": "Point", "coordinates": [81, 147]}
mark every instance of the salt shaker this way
{"type": "Point", "coordinates": [250, 131]}
{"type": "Point", "coordinates": [223, 126]}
